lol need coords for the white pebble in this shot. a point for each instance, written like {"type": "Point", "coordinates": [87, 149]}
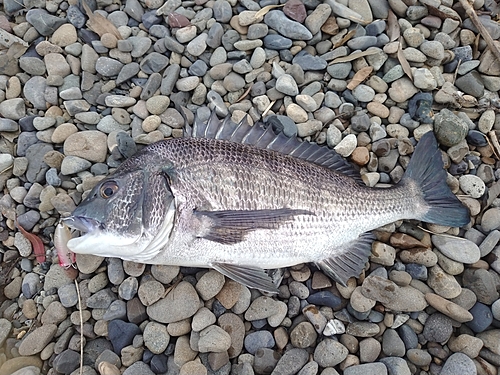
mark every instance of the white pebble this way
{"type": "Point", "coordinates": [472, 185]}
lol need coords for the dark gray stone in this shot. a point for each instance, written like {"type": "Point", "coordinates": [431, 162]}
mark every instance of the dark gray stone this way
{"type": "Point", "coordinates": [44, 22]}
{"type": "Point", "coordinates": [121, 334]}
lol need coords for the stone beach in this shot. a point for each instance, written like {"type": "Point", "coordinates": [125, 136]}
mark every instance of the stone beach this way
{"type": "Point", "coordinates": [82, 88]}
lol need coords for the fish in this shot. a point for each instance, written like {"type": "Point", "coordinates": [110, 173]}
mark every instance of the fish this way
{"type": "Point", "coordinates": [241, 199]}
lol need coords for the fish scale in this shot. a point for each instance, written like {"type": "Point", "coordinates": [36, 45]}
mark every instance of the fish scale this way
{"type": "Point", "coordinates": [241, 199]}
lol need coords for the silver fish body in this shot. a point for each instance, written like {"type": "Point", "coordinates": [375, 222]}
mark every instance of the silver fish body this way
{"type": "Point", "coordinates": [241, 199]}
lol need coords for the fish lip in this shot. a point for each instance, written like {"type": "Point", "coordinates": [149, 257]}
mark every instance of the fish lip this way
{"type": "Point", "coordinates": [82, 223]}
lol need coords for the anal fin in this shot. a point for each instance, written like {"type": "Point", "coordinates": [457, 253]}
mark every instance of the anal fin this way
{"type": "Point", "coordinates": [349, 260]}
{"type": "Point", "coordinates": [252, 277]}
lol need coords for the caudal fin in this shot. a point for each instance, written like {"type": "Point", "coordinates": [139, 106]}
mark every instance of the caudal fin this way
{"type": "Point", "coordinates": [426, 170]}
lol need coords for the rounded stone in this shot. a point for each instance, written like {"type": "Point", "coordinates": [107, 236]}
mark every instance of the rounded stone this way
{"type": "Point", "coordinates": [89, 145]}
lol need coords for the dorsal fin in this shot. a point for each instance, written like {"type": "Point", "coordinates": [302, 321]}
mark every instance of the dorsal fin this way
{"type": "Point", "coordinates": [264, 138]}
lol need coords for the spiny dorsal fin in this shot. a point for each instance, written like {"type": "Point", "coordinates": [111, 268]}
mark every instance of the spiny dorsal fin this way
{"type": "Point", "coordinates": [264, 138]}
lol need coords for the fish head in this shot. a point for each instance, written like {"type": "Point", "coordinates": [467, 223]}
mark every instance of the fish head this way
{"type": "Point", "coordinates": [128, 215]}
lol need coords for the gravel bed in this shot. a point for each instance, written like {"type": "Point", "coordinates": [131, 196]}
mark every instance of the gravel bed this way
{"type": "Point", "coordinates": [83, 88]}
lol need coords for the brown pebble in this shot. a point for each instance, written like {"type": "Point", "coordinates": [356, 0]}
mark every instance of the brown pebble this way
{"type": "Point", "coordinates": [378, 109]}
{"type": "Point", "coordinates": [280, 337]}
{"type": "Point", "coordinates": [405, 241]}
{"type": "Point", "coordinates": [448, 308]}
{"type": "Point", "coordinates": [330, 27]}
{"type": "Point", "coordinates": [300, 273]}
{"type": "Point", "coordinates": [360, 156]}
{"type": "Point", "coordinates": [29, 309]}
{"type": "Point", "coordinates": [14, 364]}
{"type": "Point", "coordinates": [108, 40]}
{"type": "Point", "coordinates": [320, 281]}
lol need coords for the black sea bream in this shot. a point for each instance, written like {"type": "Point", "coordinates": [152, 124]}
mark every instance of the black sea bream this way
{"type": "Point", "coordinates": [241, 199]}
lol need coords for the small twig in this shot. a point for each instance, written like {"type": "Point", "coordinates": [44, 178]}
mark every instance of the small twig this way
{"type": "Point", "coordinates": [81, 325]}
{"type": "Point", "coordinates": [268, 108]}
{"type": "Point", "coordinates": [482, 30]}
{"type": "Point", "coordinates": [456, 71]}
{"type": "Point", "coordinates": [245, 93]}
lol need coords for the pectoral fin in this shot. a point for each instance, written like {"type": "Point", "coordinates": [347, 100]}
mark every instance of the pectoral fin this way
{"type": "Point", "coordinates": [230, 227]}
{"type": "Point", "coordinates": [252, 277]}
{"type": "Point", "coordinates": [348, 261]}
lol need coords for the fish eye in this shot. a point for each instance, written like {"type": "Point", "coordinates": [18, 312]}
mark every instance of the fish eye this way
{"type": "Point", "coordinates": [108, 189]}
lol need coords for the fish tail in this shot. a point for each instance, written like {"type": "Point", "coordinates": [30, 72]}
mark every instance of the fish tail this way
{"type": "Point", "coordinates": [426, 171]}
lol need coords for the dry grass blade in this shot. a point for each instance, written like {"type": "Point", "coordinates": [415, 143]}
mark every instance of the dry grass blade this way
{"type": "Point", "coordinates": [354, 56]}
{"type": "Point", "coordinates": [440, 234]}
{"type": "Point", "coordinates": [266, 9]}
{"type": "Point", "coordinates": [495, 146]}
{"type": "Point", "coordinates": [393, 29]}
{"type": "Point", "coordinates": [404, 63]}
{"type": "Point", "coordinates": [346, 38]}
{"type": "Point", "coordinates": [359, 77]}
{"type": "Point", "coordinates": [482, 30]}
{"type": "Point", "coordinates": [99, 24]}
{"type": "Point", "coordinates": [81, 325]}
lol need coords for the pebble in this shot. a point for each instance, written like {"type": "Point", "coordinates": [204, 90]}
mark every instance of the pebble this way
{"type": "Point", "coordinates": [121, 334]}
{"type": "Point", "coordinates": [393, 297]}
{"type": "Point", "coordinates": [482, 317]}
{"type": "Point", "coordinates": [490, 220]}
{"type": "Point", "coordinates": [257, 340]}
{"type": "Point", "coordinates": [36, 341]}
{"type": "Point", "coordinates": [277, 20]}
{"type": "Point", "coordinates": [214, 339]}
{"type": "Point", "coordinates": [329, 353]}
{"type": "Point", "coordinates": [469, 252]}
{"type": "Point", "coordinates": [448, 308]}
{"type": "Point", "coordinates": [367, 368]}
{"type": "Point", "coordinates": [179, 304]}
{"type": "Point", "coordinates": [458, 363]}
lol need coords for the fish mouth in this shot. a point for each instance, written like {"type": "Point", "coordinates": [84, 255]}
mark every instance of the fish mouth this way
{"type": "Point", "coordinates": [82, 223]}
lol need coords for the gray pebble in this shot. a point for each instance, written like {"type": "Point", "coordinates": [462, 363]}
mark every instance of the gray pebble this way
{"type": "Point", "coordinates": [469, 252]}
{"type": "Point", "coordinates": [396, 365]}
{"type": "Point", "coordinates": [329, 353]}
{"type": "Point", "coordinates": [31, 285]}
{"type": "Point", "coordinates": [257, 340]}
{"type": "Point", "coordinates": [458, 363]}
{"type": "Point", "coordinates": [367, 368]}
{"type": "Point", "coordinates": [101, 300]}
{"type": "Point", "coordinates": [44, 22]}
{"type": "Point", "coordinates": [277, 20]}
{"type": "Point", "coordinates": [116, 310]}
{"type": "Point", "coordinates": [128, 288]}
{"type": "Point", "coordinates": [265, 360]}
{"type": "Point", "coordinates": [438, 328]}
{"type": "Point", "coordinates": [362, 42]}
{"type": "Point", "coordinates": [392, 345]}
